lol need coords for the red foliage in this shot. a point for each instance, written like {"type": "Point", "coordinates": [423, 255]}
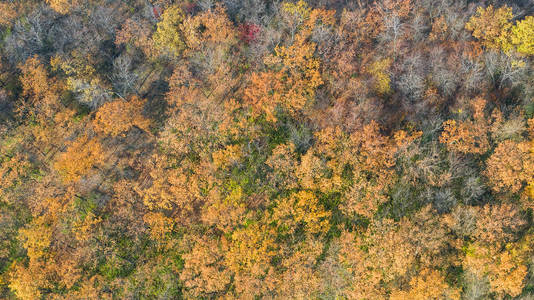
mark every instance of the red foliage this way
{"type": "Point", "coordinates": [248, 32]}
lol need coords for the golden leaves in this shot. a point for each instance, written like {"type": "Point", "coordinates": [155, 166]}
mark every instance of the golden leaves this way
{"type": "Point", "coordinates": [428, 284]}
{"type": "Point", "coordinates": [522, 36]}
{"type": "Point", "coordinates": [37, 237]}
{"type": "Point", "coordinates": [168, 35]}
{"type": "Point", "coordinates": [302, 208]}
{"type": "Point", "coordinates": [81, 156]}
{"type": "Point", "coordinates": [492, 26]}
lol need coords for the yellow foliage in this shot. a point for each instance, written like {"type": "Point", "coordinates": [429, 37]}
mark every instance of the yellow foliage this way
{"type": "Point", "coordinates": [379, 71]}
{"type": "Point", "coordinates": [227, 156]}
{"type": "Point", "coordinates": [492, 27]}
{"type": "Point", "coordinates": [85, 227]}
{"type": "Point", "coordinates": [204, 271]}
{"type": "Point", "coordinates": [42, 91]}
{"type": "Point", "coordinates": [302, 207]}
{"type": "Point", "coordinates": [523, 36]}
{"type": "Point", "coordinates": [168, 35]}
{"type": "Point", "coordinates": [295, 72]}
{"type": "Point", "coordinates": [510, 166]}
{"type": "Point", "coordinates": [159, 225]}
{"type": "Point", "coordinates": [209, 28]}
{"type": "Point", "coordinates": [292, 87]}
{"type": "Point", "coordinates": [469, 136]}
{"type": "Point", "coordinates": [24, 282]}
{"type": "Point", "coordinates": [299, 9]}
{"type": "Point", "coordinates": [505, 270]}
{"type": "Point", "coordinates": [8, 13]}
{"type": "Point", "coordinates": [36, 237]}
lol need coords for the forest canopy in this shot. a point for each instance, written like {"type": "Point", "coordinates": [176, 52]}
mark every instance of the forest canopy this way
{"type": "Point", "coordinates": [254, 149]}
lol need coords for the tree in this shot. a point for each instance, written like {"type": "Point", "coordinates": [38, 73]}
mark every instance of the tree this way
{"type": "Point", "coordinates": [137, 32]}
{"type": "Point", "coordinates": [469, 136]}
{"type": "Point", "coordinates": [292, 87]}
{"type": "Point", "coordinates": [294, 73]}
{"type": "Point", "coordinates": [523, 36]}
{"type": "Point", "coordinates": [120, 116]}
{"type": "Point", "coordinates": [510, 167]}
{"type": "Point", "coordinates": [204, 271]}
{"type": "Point", "coordinates": [492, 27]}
{"type": "Point", "coordinates": [505, 270]}
{"type": "Point", "coordinates": [498, 224]}
{"type": "Point", "coordinates": [81, 156]}
{"type": "Point", "coordinates": [303, 209]}
{"type": "Point", "coordinates": [373, 164]}
{"type": "Point", "coordinates": [63, 6]}
{"type": "Point", "coordinates": [169, 36]}
{"type": "Point", "coordinates": [8, 13]}
{"type": "Point", "coordinates": [428, 284]}
{"type": "Point", "coordinates": [41, 91]}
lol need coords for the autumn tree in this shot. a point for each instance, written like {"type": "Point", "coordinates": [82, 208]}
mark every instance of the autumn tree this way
{"type": "Point", "coordinates": [119, 116]}
{"type": "Point", "coordinates": [492, 26]}
{"type": "Point", "coordinates": [471, 135]}
{"type": "Point", "coordinates": [41, 91]}
{"type": "Point", "coordinates": [428, 284]}
{"type": "Point", "coordinates": [522, 36]}
{"type": "Point", "coordinates": [295, 71]}
{"type": "Point", "coordinates": [63, 6]}
{"type": "Point", "coordinates": [511, 166]}
{"type": "Point", "coordinates": [301, 209]}
{"type": "Point", "coordinates": [169, 36]}
{"type": "Point", "coordinates": [80, 157]}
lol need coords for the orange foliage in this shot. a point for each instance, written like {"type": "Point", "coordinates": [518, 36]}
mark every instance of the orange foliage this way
{"type": "Point", "coordinates": [505, 270]}
{"type": "Point", "coordinates": [119, 116]}
{"type": "Point", "coordinates": [81, 156]}
{"type": "Point", "coordinates": [42, 92]}
{"type": "Point", "coordinates": [511, 166]}
{"type": "Point", "coordinates": [428, 284]}
{"type": "Point", "coordinates": [138, 33]}
{"type": "Point", "coordinates": [301, 208]}
{"type": "Point", "coordinates": [294, 74]}
{"type": "Point", "coordinates": [469, 136]}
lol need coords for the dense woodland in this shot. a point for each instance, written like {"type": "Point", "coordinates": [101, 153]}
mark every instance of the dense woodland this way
{"type": "Point", "coordinates": [254, 149]}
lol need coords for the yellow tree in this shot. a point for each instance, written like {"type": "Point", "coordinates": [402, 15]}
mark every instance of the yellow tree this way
{"type": "Point", "coordinates": [292, 87]}
{"type": "Point", "coordinates": [169, 36]}
{"type": "Point", "coordinates": [505, 270]}
{"type": "Point", "coordinates": [301, 208]}
{"type": "Point", "coordinates": [373, 161]}
{"type": "Point", "coordinates": [63, 6]}
{"type": "Point", "coordinates": [427, 285]}
{"type": "Point", "coordinates": [8, 13]}
{"type": "Point", "coordinates": [492, 27]}
{"type": "Point", "coordinates": [523, 36]}
{"type": "Point", "coordinates": [204, 268]}
{"type": "Point", "coordinates": [248, 255]}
